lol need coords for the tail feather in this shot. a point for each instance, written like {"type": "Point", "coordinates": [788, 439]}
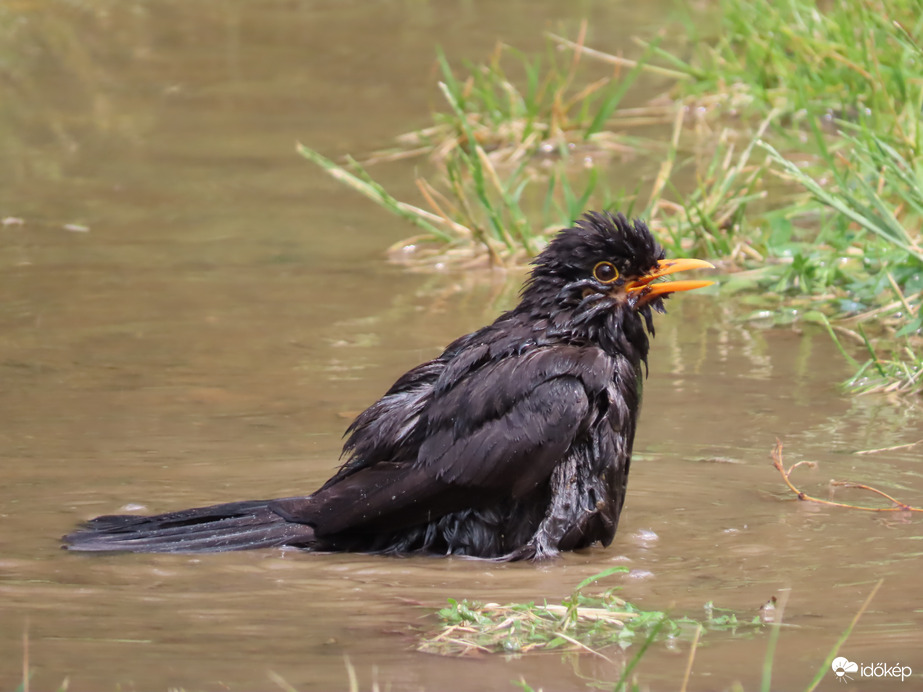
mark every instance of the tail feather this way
{"type": "Point", "coordinates": [219, 528]}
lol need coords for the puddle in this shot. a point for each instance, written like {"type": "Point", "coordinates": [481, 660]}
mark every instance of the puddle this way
{"type": "Point", "coordinates": [225, 311]}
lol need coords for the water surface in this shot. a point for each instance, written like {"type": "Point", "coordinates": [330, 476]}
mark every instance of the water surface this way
{"type": "Point", "coordinates": [192, 314]}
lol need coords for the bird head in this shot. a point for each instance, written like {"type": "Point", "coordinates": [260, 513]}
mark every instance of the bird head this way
{"type": "Point", "coordinates": [601, 280]}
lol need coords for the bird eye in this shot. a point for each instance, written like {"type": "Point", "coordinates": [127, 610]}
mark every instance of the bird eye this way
{"type": "Point", "coordinates": [605, 272]}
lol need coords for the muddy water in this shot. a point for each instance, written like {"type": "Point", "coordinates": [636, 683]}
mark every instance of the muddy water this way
{"type": "Point", "coordinates": [191, 314]}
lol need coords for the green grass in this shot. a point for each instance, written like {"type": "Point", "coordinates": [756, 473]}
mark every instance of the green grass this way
{"type": "Point", "coordinates": [842, 59]}
{"type": "Point", "coordinates": [581, 622]}
{"type": "Point", "coordinates": [515, 104]}
{"type": "Point", "coordinates": [842, 84]}
{"type": "Point", "coordinates": [475, 215]}
{"type": "Point", "coordinates": [510, 161]}
{"type": "Point", "coordinates": [825, 214]}
{"type": "Point", "coordinates": [793, 159]}
{"type": "Point", "coordinates": [590, 624]}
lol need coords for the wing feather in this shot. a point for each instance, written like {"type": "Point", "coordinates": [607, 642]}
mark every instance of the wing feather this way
{"type": "Point", "coordinates": [498, 430]}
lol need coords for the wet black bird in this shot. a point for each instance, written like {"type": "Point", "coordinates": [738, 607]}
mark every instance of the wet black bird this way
{"type": "Point", "coordinates": [515, 443]}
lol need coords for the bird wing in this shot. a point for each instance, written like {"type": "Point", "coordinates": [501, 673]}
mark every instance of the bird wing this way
{"type": "Point", "coordinates": [496, 431]}
{"type": "Point", "coordinates": [506, 425]}
{"type": "Point", "coordinates": [388, 428]}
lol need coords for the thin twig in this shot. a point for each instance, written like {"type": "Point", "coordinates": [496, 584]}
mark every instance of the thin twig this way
{"type": "Point", "coordinates": [862, 486]}
{"type": "Point", "coordinates": [889, 449]}
{"type": "Point", "coordinates": [25, 658]}
{"type": "Point", "coordinates": [695, 642]}
{"type": "Point", "coordinates": [825, 666]}
{"type": "Point", "coordinates": [583, 646]}
{"type": "Point", "coordinates": [617, 60]}
{"type": "Point", "coordinates": [777, 462]}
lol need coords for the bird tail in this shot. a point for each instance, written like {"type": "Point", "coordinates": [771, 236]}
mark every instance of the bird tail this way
{"type": "Point", "coordinates": [219, 528]}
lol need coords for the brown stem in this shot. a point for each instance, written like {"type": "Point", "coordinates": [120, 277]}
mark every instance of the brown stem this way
{"type": "Point", "coordinates": [780, 466]}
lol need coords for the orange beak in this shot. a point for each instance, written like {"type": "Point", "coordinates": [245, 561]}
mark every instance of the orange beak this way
{"type": "Point", "coordinates": [643, 288]}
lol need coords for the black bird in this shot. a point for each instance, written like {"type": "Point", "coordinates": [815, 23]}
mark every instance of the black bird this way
{"type": "Point", "coordinates": [513, 444]}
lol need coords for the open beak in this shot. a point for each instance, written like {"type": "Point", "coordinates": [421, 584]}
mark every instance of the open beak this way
{"type": "Point", "coordinates": [643, 288]}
